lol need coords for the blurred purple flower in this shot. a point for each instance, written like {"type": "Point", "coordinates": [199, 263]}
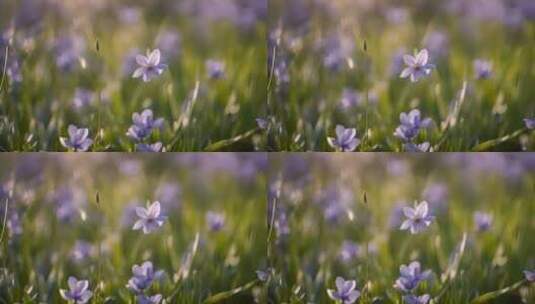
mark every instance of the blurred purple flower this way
{"type": "Point", "coordinates": [68, 51]}
{"type": "Point", "coordinates": [143, 277]}
{"type": "Point", "coordinates": [150, 218]}
{"type": "Point", "coordinates": [411, 276]}
{"type": "Point", "coordinates": [143, 125]}
{"type": "Point", "coordinates": [345, 141]}
{"type": "Point", "coordinates": [349, 251]}
{"type": "Point", "coordinates": [215, 68]}
{"type": "Point", "coordinates": [417, 66]}
{"type": "Point", "coordinates": [436, 194]}
{"type": "Point", "coordinates": [143, 299]}
{"type": "Point", "coordinates": [149, 66]}
{"type": "Point", "coordinates": [262, 123]}
{"type": "Point", "coordinates": [412, 299]}
{"type": "Point", "coordinates": [530, 275]}
{"type": "Point", "coordinates": [168, 42]}
{"type": "Point", "coordinates": [215, 220]}
{"type": "Point", "coordinates": [78, 292]}
{"type": "Point", "coordinates": [345, 292]}
{"type": "Point", "coordinates": [418, 218]}
{"type": "Point", "coordinates": [482, 220]}
{"type": "Point", "coordinates": [155, 147]}
{"type": "Point", "coordinates": [483, 69]}
{"type": "Point", "coordinates": [350, 99]}
{"type": "Point", "coordinates": [411, 124]}
{"type": "Point", "coordinates": [78, 139]}
{"type": "Point", "coordinates": [82, 98]}
{"type": "Point", "coordinates": [530, 123]}
{"type": "Point", "coordinates": [81, 251]}
{"type": "Point", "coordinates": [411, 147]}
{"type": "Point", "coordinates": [437, 43]}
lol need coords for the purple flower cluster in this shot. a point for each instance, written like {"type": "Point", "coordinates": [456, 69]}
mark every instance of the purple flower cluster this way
{"type": "Point", "coordinates": [143, 125]}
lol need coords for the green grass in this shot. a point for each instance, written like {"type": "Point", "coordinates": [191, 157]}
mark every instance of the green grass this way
{"type": "Point", "coordinates": [306, 260]}
{"type": "Point", "coordinates": [306, 110]}
{"type": "Point", "coordinates": [36, 262]}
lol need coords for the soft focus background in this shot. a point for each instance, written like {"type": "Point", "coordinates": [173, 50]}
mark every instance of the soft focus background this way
{"type": "Point", "coordinates": [339, 62]}
{"type": "Point", "coordinates": [71, 62]}
{"type": "Point", "coordinates": [54, 227]}
{"type": "Point", "coordinates": [339, 215]}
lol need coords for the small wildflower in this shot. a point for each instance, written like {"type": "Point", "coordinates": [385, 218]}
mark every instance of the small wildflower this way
{"type": "Point", "coordinates": [411, 276]}
{"type": "Point", "coordinates": [411, 124]}
{"type": "Point", "coordinates": [482, 220]}
{"type": "Point", "coordinates": [149, 66]}
{"type": "Point", "coordinates": [423, 147]}
{"type": "Point", "coordinates": [144, 124]}
{"type": "Point", "coordinates": [417, 66]}
{"type": "Point", "coordinates": [349, 251]}
{"type": "Point", "coordinates": [143, 299]}
{"type": "Point", "coordinates": [345, 293]}
{"type": "Point", "coordinates": [412, 299]}
{"type": "Point", "coordinates": [155, 147]}
{"type": "Point", "coordinates": [418, 218]}
{"type": "Point", "coordinates": [530, 275]}
{"type": "Point", "coordinates": [530, 123]}
{"type": "Point", "coordinates": [215, 69]}
{"type": "Point", "coordinates": [215, 220]}
{"type": "Point", "coordinates": [143, 277]}
{"type": "Point", "coordinates": [78, 292]}
{"type": "Point", "coordinates": [150, 218]}
{"type": "Point", "coordinates": [345, 141]}
{"type": "Point", "coordinates": [78, 139]}
{"type": "Point", "coordinates": [483, 69]}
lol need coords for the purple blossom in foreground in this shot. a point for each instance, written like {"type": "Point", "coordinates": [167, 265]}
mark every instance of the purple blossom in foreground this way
{"type": "Point", "coordinates": [78, 292]}
{"type": "Point", "coordinates": [215, 68]}
{"type": "Point", "coordinates": [411, 147]}
{"type": "Point", "coordinates": [418, 218]}
{"type": "Point", "coordinates": [530, 123]}
{"type": "Point", "coordinates": [412, 299]}
{"type": "Point", "coordinates": [215, 220]}
{"type": "Point", "coordinates": [149, 66]}
{"type": "Point", "coordinates": [345, 141]}
{"type": "Point", "coordinates": [417, 66]}
{"type": "Point", "coordinates": [482, 69]}
{"type": "Point", "coordinates": [143, 277]}
{"type": "Point", "coordinates": [411, 124]}
{"type": "Point", "coordinates": [144, 124]}
{"type": "Point", "coordinates": [411, 276]}
{"type": "Point", "coordinates": [345, 293]}
{"type": "Point", "coordinates": [78, 139]}
{"type": "Point", "coordinates": [143, 299]}
{"type": "Point", "coordinates": [482, 220]}
{"type": "Point", "coordinates": [530, 275]}
{"type": "Point", "coordinates": [155, 147]}
{"type": "Point", "coordinates": [150, 218]}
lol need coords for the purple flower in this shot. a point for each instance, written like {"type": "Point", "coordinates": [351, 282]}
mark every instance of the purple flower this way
{"type": "Point", "coordinates": [262, 123]}
{"type": "Point", "coordinates": [143, 276]}
{"type": "Point", "coordinates": [215, 220]}
{"type": "Point", "coordinates": [350, 98]}
{"type": "Point", "coordinates": [412, 299]}
{"type": "Point", "coordinates": [411, 276]}
{"type": "Point", "coordinates": [82, 98]}
{"type": "Point", "coordinates": [530, 123]}
{"type": "Point", "coordinates": [78, 292]}
{"type": "Point", "coordinates": [143, 125]}
{"type": "Point", "coordinates": [155, 147]}
{"type": "Point", "coordinates": [482, 220]}
{"type": "Point", "coordinates": [345, 293]}
{"type": "Point", "coordinates": [215, 68]}
{"type": "Point", "coordinates": [418, 218]}
{"type": "Point", "coordinates": [417, 66]}
{"type": "Point", "coordinates": [349, 251]}
{"type": "Point", "coordinates": [150, 218]}
{"type": "Point", "coordinates": [155, 299]}
{"type": "Point", "coordinates": [483, 69]}
{"type": "Point", "coordinates": [149, 66]}
{"type": "Point", "coordinates": [411, 147]}
{"type": "Point", "coordinates": [78, 139]}
{"type": "Point", "coordinates": [530, 275]}
{"type": "Point", "coordinates": [345, 141]}
{"type": "Point", "coordinates": [410, 125]}
{"type": "Point", "coordinates": [81, 251]}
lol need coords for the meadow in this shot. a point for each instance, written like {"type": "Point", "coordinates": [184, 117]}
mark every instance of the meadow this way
{"type": "Point", "coordinates": [81, 63]}
{"type": "Point", "coordinates": [466, 66]}
{"type": "Point", "coordinates": [354, 228]}
{"type": "Point", "coordinates": [93, 218]}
